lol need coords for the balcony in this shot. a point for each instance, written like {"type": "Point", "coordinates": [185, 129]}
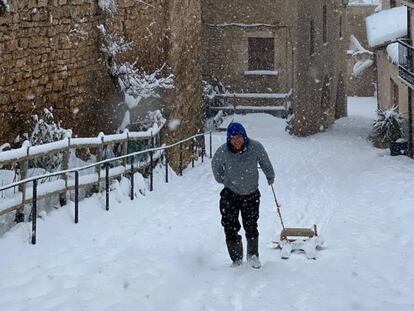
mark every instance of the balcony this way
{"type": "Point", "coordinates": [406, 62]}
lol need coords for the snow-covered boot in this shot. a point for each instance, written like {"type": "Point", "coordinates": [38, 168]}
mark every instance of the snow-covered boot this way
{"type": "Point", "coordinates": [254, 262]}
{"type": "Point", "coordinates": [253, 253]}
{"type": "Point", "coordinates": [237, 263]}
{"type": "Point", "coordinates": [235, 248]}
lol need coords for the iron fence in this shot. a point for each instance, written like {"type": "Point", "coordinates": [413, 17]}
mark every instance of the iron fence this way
{"type": "Point", "coordinates": [198, 150]}
{"type": "Point", "coordinates": [405, 60]}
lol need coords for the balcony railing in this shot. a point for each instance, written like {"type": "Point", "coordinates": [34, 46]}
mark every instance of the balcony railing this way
{"type": "Point", "coordinates": [406, 62]}
{"type": "Point", "coordinates": [409, 3]}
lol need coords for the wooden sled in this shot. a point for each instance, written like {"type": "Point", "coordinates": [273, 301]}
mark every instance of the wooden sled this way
{"type": "Point", "coordinates": [299, 240]}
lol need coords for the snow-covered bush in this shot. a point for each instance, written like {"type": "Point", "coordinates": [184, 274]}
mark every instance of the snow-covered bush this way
{"type": "Point", "coordinates": [112, 44]}
{"type": "Point", "coordinates": [133, 83]}
{"type": "Point", "coordinates": [211, 89]}
{"type": "Point", "coordinates": [4, 7]}
{"type": "Point", "coordinates": [152, 118]}
{"type": "Point", "coordinates": [107, 6]}
{"type": "Point", "coordinates": [289, 122]}
{"type": "Point", "coordinates": [213, 123]}
{"type": "Point", "coordinates": [387, 127]}
{"type": "Point", "coordinates": [46, 130]}
{"type": "Point", "coordinates": [137, 85]}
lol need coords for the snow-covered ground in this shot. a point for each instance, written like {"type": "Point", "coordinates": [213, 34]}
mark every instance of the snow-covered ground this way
{"type": "Point", "coordinates": [166, 251]}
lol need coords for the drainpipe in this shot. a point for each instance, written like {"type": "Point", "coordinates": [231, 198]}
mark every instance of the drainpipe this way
{"type": "Point", "coordinates": [410, 93]}
{"type": "Point", "coordinates": [410, 123]}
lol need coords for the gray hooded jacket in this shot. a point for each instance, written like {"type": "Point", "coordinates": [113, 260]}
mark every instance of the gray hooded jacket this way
{"type": "Point", "coordinates": [238, 171]}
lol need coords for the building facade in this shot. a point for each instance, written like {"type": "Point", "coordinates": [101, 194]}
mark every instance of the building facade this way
{"type": "Point", "coordinates": [406, 69]}
{"type": "Point", "coordinates": [279, 53]}
{"type": "Point", "coordinates": [388, 36]}
{"type": "Point", "coordinates": [391, 91]}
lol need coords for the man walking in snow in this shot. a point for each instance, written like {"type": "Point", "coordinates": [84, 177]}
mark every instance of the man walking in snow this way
{"type": "Point", "coordinates": [235, 166]}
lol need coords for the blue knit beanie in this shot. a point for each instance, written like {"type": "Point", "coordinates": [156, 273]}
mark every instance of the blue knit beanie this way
{"type": "Point", "coordinates": [235, 129]}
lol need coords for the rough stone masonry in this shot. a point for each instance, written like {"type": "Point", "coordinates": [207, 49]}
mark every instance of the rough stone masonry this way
{"type": "Point", "coordinates": [50, 57]}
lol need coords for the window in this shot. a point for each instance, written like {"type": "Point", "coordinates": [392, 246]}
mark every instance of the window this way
{"type": "Point", "coordinates": [312, 38]}
{"type": "Point", "coordinates": [325, 24]}
{"type": "Point", "coordinates": [395, 94]}
{"type": "Point", "coordinates": [340, 27]}
{"type": "Point", "coordinates": [393, 3]}
{"type": "Point", "coordinates": [261, 53]}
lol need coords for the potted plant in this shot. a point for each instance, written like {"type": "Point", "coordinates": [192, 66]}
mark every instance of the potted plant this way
{"type": "Point", "coordinates": [389, 131]}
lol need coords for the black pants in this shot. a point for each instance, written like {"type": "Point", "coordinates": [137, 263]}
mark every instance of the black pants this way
{"type": "Point", "coordinates": [231, 205]}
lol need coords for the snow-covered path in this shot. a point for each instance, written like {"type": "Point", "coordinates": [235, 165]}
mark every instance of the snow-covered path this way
{"type": "Point", "coordinates": [166, 251]}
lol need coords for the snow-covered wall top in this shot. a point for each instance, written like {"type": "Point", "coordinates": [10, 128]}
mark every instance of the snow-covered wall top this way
{"type": "Point", "coordinates": [386, 26]}
{"type": "Point", "coordinates": [364, 2]}
{"type": "Point", "coordinates": [31, 151]}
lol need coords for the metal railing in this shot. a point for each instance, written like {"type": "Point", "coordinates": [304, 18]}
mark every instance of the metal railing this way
{"type": "Point", "coordinates": [405, 60]}
{"type": "Point", "coordinates": [129, 169]}
{"type": "Point", "coordinates": [406, 73]}
{"type": "Point", "coordinates": [32, 158]}
{"type": "Point", "coordinates": [279, 103]}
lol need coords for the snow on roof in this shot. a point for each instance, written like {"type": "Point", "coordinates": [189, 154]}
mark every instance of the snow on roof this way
{"type": "Point", "coordinates": [386, 26]}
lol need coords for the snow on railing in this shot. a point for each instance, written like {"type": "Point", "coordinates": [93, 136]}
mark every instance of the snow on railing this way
{"type": "Point", "coordinates": [242, 25]}
{"type": "Point", "coordinates": [250, 108]}
{"type": "Point", "coordinates": [261, 73]}
{"type": "Point", "coordinates": [256, 95]}
{"type": "Point", "coordinates": [281, 107]}
{"type": "Point", "coordinates": [27, 151]}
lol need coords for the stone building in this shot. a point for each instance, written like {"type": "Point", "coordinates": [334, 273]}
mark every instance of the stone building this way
{"type": "Point", "coordinates": [406, 70]}
{"type": "Point", "coordinates": [384, 29]}
{"type": "Point", "coordinates": [270, 52]}
{"type": "Point", "coordinates": [279, 53]}
{"type": "Point", "coordinates": [50, 56]}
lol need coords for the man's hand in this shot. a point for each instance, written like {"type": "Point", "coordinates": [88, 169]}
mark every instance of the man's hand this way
{"type": "Point", "coordinates": [270, 181]}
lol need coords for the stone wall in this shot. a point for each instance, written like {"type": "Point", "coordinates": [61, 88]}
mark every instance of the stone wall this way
{"type": "Point", "coordinates": [387, 72]}
{"type": "Point", "coordinates": [320, 96]}
{"type": "Point", "coordinates": [386, 4]}
{"type": "Point", "coordinates": [185, 58]}
{"type": "Point", "coordinates": [50, 57]}
{"type": "Point", "coordinates": [49, 53]}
